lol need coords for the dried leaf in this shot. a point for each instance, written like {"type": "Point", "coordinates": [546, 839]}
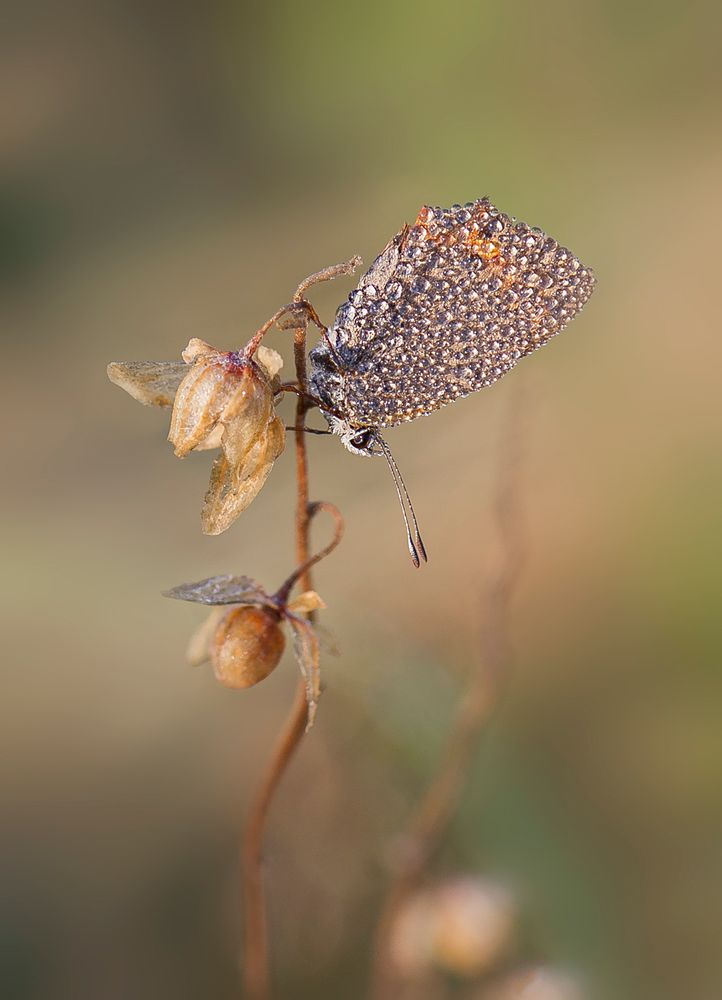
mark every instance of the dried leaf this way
{"type": "Point", "coordinates": [220, 590]}
{"type": "Point", "coordinates": [305, 648]}
{"type": "Point", "coordinates": [152, 383]}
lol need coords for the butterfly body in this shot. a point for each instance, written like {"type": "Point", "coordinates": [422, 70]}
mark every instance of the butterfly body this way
{"type": "Point", "coordinates": [448, 307]}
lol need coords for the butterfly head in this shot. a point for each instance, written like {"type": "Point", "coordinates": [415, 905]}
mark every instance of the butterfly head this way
{"type": "Point", "coordinates": [358, 440]}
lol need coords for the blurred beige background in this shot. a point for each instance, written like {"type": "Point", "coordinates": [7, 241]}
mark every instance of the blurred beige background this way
{"type": "Point", "coordinates": [172, 170]}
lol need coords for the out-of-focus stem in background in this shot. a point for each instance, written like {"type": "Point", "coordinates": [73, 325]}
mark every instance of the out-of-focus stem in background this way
{"type": "Point", "coordinates": [431, 819]}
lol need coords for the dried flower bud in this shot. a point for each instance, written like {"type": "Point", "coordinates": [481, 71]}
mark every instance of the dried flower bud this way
{"type": "Point", "coordinates": [226, 401]}
{"type": "Point", "coordinates": [246, 646]}
{"type": "Point", "coordinates": [220, 399]}
{"type": "Point", "coordinates": [220, 386]}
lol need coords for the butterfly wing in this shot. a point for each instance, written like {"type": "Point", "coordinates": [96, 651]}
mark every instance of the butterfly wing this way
{"type": "Point", "coordinates": [448, 307]}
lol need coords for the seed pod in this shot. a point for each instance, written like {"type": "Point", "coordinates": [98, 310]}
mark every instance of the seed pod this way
{"type": "Point", "coordinates": [247, 646]}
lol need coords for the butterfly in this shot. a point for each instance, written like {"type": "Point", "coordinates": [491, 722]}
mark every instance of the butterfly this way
{"type": "Point", "coordinates": [449, 306]}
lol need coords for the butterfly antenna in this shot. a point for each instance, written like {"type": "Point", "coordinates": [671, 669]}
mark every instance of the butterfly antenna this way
{"type": "Point", "coordinates": [415, 547]}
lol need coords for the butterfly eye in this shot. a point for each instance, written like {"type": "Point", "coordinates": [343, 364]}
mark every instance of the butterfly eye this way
{"type": "Point", "coordinates": [362, 440]}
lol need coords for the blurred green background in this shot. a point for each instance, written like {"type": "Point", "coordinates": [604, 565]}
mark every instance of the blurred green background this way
{"type": "Point", "coordinates": [171, 170]}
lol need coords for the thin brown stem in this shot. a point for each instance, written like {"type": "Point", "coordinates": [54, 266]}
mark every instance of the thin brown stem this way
{"type": "Point", "coordinates": [252, 346]}
{"type": "Point", "coordinates": [255, 967]}
{"type": "Point", "coordinates": [256, 958]}
{"type": "Point", "coordinates": [313, 509]}
{"type": "Point", "coordinates": [303, 518]}
{"type": "Point", "coordinates": [430, 821]}
{"type": "Point", "coordinates": [299, 313]}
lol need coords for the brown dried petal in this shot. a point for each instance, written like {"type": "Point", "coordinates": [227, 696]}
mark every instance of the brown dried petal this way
{"type": "Point", "coordinates": [152, 383]}
{"type": "Point", "coordinates": [270, 360]}
{"type": "Point", "coordinates": [232, 486]}
{"type": "Point", "coordinates": [306, 602]}
{"type": "Point", "coordinates": [198, 348]}
{"type": "Point", "coordinates": [276, 434]}
{"type": "Point", "coordinates": [198, 651]}
{"type": "Point", "coordinates": [213, 440]}
{"type": "Point", "coordinates": [228, 494]}
{"type": "Point", "coordinates": [226, 497]}
{"type": "Point", "coordinates": [200, 401]}
{"type": "Point", "coordinates": [226, 589]}
{"type": "Point", "coordinates": [246, 419]}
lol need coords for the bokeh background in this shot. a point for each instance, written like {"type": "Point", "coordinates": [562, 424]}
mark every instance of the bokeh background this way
{"type": "Point", "coordinates": [171, 170]}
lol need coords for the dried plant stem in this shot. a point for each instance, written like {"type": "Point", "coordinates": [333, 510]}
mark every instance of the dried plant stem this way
{"type": "Point", "coordinates": [255, 967]}
{"type": "Point", "coordinates": [430, 821]}
{"type": "Point", "coordinates": [256, 972]}
{"type": "Point", "coordinates": [300, 572]}
{"type": "Point", "coordinates": [303, 514]}
{"type": "Point", "coordinates": [256, 959]}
